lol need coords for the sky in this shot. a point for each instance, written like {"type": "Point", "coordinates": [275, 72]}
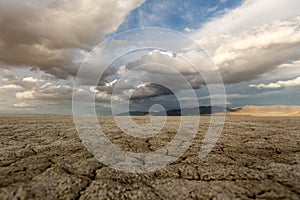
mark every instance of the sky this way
{"type": "Point", "coordinates": [253, 44]}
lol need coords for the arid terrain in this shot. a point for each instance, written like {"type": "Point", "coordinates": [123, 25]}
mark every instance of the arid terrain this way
{"type": "Point", "coordinates": [42, 157]}
{"type": "Point", "coordinates": [278, 110]}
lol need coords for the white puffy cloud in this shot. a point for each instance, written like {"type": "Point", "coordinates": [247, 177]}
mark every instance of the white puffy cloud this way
{"type": "Point", "coordinates": [244, 45]}
{"type": "Point", "coordinates": [35, 92]}
{"type": "Point", "coordinates": [23, 105]}
{"type": "Point", "coordinates": [285, 71]}
{"type": "Point", "coordinates": [245, 57]}
{"type": "Point", "coordinates": [10, 88]}
{"type": "Point", "coordinates": [27, 95]}
{"type": "Point", "coordinates": [188, 30]}
{"type": "Point", "coordinates": [278, 84]}
{"type": "Point", "coordinates": [47, 92]}
{"type": "Point", "coordinates": [163, 58]}
{"type": "Point", "coordinates": [54, 94]}
{"type": "Point", "coordinates": [31, 88]}
{"type": "Point", "coordinates": [16, 83]}
{"type": "Point", "coordinates": [32, 80]}
{"type": "Point", "coordinates": [250, 15]}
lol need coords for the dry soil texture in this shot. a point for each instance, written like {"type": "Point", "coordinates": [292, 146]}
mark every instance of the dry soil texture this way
{"type": "Point", "coordinates": [255, 157]}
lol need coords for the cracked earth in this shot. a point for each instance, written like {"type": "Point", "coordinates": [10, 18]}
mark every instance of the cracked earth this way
{"type": "Point", "coordinates": [255, 158]}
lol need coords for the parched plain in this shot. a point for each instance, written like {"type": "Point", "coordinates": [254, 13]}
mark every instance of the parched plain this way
{"type": "Point", "coordinates": [42, 157]}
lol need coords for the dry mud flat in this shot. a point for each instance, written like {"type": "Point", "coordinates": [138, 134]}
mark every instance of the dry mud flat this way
{"type": "Point", "coordinates": [255, 158]}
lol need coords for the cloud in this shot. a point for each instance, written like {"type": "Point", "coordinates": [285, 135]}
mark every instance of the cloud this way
{"type": "Point", "coordinates": [25, 83]}
{"type": "Point", "coordinates": [30, 88]}
{"type": "Point", "coordinates": [54, 94]}
{"type": "Point", "coordinates": [10, 88]}
{"type": "Point", "coordinates": [46, 34]}
{"type": "Point", "coordinates": [212, 9]}
{"type": "Point", "coordinates": [10, 79]}
{"type": "Point", "coordinates": [245, 57]}
{"type": "Point", "coordinates": [47, 92]}
{"type": "Point", "coordinates": [239, 58]}
{"type": "Point", "coordinates": [228, 96]}
{"type": "Point", "coordinates": [150, 90]}
{"type": "Point", "coordinates": [54, 36]}
{"type": "Point", "coordinates": [283, 72]}
{"type": "Point", "coordinates": [244, 45]}
{"type": "Point", "coordinates": [151, 75]}
{"type": "Point", "coordinates": [23, 105]}
{"type": "Point", "coordinates": [278, 84]}
{"type": "Point", "coordinates": [32, 80]}
{"type": "Point", "coordinates": [188, 30]}
{"type": "Point", "coordinates": [163, 58]}
{"type": "Point", "coordinates": [249, 16]}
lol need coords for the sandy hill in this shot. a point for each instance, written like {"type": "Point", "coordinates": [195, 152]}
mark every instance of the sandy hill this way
{"type": "Point", "coordinates": [277, 110]}
{"type": "Point", "coordinates": [295, 114]}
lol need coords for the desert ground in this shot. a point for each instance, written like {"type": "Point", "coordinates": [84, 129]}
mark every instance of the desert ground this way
{"type": "Point", "coordinates": [277, 110]}
{"type": "Point", "coordinates": [42, 157]}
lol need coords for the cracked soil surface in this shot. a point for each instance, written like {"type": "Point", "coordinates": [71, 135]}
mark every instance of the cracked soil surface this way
{"type": "Point", "coordinates": [255, 158]}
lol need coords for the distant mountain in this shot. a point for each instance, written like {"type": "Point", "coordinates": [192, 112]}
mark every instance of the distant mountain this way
{"type": "Point", "coordinates": [203, 110]}
{"type": "Point", "coordinates": [277, 110]}
{"type": "Point", "coordinates": [134, 113]}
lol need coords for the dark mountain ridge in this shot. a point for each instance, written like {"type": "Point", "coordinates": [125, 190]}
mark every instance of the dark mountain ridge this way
{"type": "Point", "coordinates": [202, 110]}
